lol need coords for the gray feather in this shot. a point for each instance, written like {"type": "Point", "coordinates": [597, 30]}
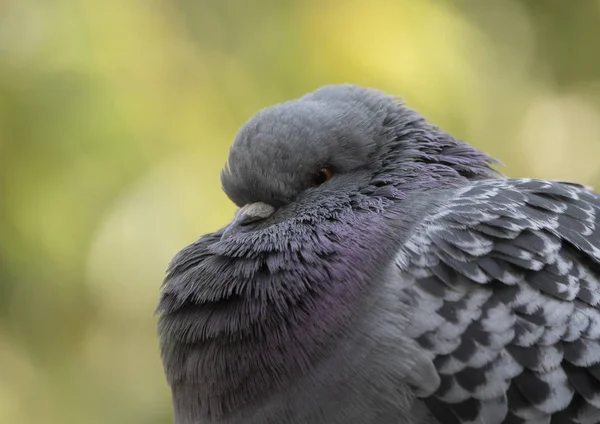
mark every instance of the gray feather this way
{"type": "Point", "coordinates": [543, 303]}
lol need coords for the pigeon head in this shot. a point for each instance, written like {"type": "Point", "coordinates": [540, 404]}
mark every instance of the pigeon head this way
{"type": "Point", "coordinates": [341, 139]}
{"type": "Point", "coordinates": [299, 145]}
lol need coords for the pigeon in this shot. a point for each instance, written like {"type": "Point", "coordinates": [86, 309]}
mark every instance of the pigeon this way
{"type": "Point", "coordinates": [378, 270]}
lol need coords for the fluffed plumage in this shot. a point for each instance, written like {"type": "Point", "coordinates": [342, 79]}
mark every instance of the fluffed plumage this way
{"type": "Point", "coordinates": [416, 285]}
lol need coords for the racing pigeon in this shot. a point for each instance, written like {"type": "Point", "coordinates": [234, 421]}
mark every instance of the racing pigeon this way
{"type": "Point", "coordinates": [379, 270]}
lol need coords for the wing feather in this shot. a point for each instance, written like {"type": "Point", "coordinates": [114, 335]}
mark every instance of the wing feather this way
{"type": "Point", "coordinates": [505, 285]}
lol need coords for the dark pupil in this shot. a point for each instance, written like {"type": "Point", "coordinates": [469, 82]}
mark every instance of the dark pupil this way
{"type": "Point", "coordinates": [320, 178]}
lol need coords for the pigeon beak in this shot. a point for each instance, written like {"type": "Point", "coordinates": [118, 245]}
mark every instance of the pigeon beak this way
{"type": "Point", "coordinates": [246, 215]}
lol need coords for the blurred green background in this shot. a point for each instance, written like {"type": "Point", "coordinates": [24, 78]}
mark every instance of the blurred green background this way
{"type": "Point", "coordinates": [116, 116]}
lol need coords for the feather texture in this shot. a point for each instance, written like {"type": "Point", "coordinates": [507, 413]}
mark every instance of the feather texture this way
{"type": "Point", "coordinates": [505, 290]}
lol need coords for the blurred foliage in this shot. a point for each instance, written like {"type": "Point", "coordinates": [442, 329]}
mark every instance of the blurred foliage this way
{"type": "Point", "coordinates": [116, 116]}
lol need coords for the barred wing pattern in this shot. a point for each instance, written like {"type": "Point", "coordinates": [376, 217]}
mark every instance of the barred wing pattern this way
{"type": "Point", "coordinates": [504, 283]}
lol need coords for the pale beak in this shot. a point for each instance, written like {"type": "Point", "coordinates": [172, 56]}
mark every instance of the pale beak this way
{"type": "Point", "coordinates": [246, 215]}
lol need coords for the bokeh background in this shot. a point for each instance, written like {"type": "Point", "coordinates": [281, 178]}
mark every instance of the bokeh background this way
{"type": "Point", "coordinates": [116, 116]}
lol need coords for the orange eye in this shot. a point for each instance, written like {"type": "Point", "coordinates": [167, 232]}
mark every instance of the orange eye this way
{"type": "Point", "coordinates": [320, 177]}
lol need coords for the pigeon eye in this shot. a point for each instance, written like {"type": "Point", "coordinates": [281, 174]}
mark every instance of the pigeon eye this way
{"type": "Point", "coordinates": [320, 177]}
